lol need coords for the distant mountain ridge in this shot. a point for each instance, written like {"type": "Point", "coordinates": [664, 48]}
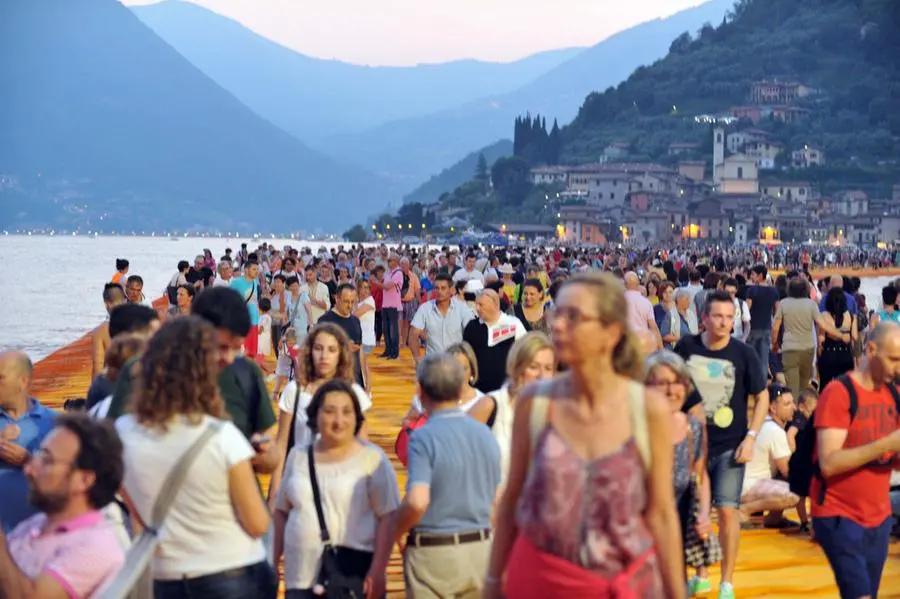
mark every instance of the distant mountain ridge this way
{"type": "Point", "coordinates": [314, 98]}
{"type": "Point", "coordinates": [106, 126]}
{"type": "Point", "coordinates": [407, 149]}
{"type": "Point", "coordinates": [453, 176]}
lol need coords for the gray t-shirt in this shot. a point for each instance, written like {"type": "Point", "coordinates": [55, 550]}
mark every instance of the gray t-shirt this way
{"type": "Point", "coordinates": [798, 317]}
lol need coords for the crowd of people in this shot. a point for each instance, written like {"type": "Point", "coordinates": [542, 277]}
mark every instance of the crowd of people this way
{"type": "Point", "coordinates": [587, 423]}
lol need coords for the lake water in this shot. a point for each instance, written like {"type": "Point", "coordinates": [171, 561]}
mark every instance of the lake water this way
{"type": "Point", "coordinates": [51, 290]}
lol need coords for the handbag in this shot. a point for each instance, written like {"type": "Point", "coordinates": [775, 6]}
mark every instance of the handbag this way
{"type": "Point", "coordinates": [135, 579]}
{"type": "Point", "coordinates": [401, 444]}
{"type": "Point", "coordinates": [343, 570]}
{"type": "Point", "coordinates": [698, 551]}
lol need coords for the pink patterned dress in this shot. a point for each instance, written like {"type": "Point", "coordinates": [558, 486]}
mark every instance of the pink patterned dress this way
{"type": "Point", "coordinates": [589, 514]}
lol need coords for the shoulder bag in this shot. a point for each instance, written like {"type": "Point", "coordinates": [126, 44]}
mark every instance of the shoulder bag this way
{"type": "Point", "coordinates": [135, 579]}
{"type": "Point", "coordinates": [343, 570]}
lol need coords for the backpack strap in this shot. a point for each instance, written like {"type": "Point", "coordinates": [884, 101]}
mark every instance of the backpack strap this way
{"type": "Point", "coordinates": [540, 404]}
{"type": "Point", "coordinates": [638, 409]}
{"type": "Point", "coordinates": [847, 382]}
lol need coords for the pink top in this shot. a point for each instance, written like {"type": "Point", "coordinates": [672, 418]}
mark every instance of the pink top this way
{"type": "Point", "coordinates": [391, 298]}
{"type": "Point", "coordinates": [590, 513]}
{"type": "Point", "coordinates": [640, 311]}
{"type": "Point", "coordinates": [81, 554]}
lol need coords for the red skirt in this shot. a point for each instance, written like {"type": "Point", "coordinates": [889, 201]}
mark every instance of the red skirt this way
{"type": "Point", "coordinates": [534, 574]}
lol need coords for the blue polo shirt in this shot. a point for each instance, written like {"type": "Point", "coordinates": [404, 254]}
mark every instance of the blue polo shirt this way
{"type": "Point", "coordinates": [34, 425]}
{"type": "Point", "coordinates": [459, 459]}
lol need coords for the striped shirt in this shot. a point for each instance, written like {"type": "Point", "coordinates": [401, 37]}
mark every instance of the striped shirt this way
{"type": "Point", "coordinates": [81, 554]}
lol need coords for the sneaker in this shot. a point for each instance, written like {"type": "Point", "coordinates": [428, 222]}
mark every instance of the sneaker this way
{"type": "Point", "coordinates": [726, 591]}
{"type": "Point", "coordinates": [699, 585]}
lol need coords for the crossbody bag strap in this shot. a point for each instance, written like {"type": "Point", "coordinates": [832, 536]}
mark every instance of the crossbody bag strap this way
{"type": "Point", "coordinates": [317, 497]}
{"type": "Point", "coordinates": [176, 477]}
{"type": "Point", "coordinates": [292, 431]}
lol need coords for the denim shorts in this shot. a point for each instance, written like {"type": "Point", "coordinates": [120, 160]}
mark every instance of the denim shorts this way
{"type": "Point", "coordinates": [726, 477]}
{"type": "Point", "coordinates": [856, 554]}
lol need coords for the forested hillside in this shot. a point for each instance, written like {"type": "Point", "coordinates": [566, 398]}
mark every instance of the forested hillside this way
{"type": "Point", "coordinates": [845, 51]}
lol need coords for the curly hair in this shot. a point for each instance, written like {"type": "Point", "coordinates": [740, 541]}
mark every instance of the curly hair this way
{"type": "Point", "coordinates": [307, 370]}
{"type": "Point", "coordinates": [178, 375]}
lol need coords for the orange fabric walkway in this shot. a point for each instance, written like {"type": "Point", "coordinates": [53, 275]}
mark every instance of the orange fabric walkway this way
{"type": "Point", "coordinates": [771, 565]}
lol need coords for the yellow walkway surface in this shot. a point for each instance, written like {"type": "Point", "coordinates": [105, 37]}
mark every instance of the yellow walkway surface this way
{"type": "Point", "coordinates": [771, 564]}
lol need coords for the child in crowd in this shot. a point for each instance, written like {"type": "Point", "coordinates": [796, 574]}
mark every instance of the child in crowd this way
{"type": "Point", "coordinates": [287, 360]}
{"type": "Point", "coordinates": [265, 329]}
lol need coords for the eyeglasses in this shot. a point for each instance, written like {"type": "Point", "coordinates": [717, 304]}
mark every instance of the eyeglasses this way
{"type": "Point", "coordinates": [571, 315]}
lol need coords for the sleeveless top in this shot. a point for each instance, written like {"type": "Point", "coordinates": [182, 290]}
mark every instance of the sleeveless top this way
{"type": "Point", "coordinates": [893, 316]}
{"type": "Point", "coordinates": [589, 513]}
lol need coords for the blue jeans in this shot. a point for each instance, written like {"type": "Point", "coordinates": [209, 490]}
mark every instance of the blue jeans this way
{"type": "Point", "coordinates": [726, 477]}
{"type": "Point", "coordinates": [391, 328]}
{"type": "Point", "coordinates": [761, 341]}
{"type": "Point", "coordinates": [257, 580]}
{"type": "Point", "coordinates": [856, 554]}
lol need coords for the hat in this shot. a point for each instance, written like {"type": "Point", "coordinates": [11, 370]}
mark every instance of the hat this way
{"type": "Point", "coordinates": [474, 286]}
{"type": "Point", "coordinates": [506, 269]}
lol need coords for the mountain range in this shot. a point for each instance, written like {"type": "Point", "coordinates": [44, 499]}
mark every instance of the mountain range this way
{"type": "Point", "coordinates": [450, 109]}
{"type": "Point", "coordinates": [106, 126]}
{"type": "Point", "coordinates": [315, 98]}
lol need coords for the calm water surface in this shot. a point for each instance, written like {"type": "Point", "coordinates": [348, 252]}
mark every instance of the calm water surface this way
{"type": "Point", "coordinates": [52, 291]}
{"type": "Point", "coordinates": [51, 294]}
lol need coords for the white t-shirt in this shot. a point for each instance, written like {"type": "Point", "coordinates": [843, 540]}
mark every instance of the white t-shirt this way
{"type": "Point", "coordinates": [741, 318]}
{"type": "Point", "coordinates": [302, 433]}
{"type": "Point", "coordinates": [463, 275]}
{"type": "Point", "coordinates": [367, 322]}
{"type": "Point", "coordinates": [640, 311]}
{"type": "Point", "coordinates": [202, 515]}
{"type": "Point", "coordinates": [355, 493]}
{"type": "Point", "coordinates": [771, 445]}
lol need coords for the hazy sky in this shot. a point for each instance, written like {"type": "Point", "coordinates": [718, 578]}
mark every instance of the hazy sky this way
{"type": "Point", "coordinates": [403, 32]}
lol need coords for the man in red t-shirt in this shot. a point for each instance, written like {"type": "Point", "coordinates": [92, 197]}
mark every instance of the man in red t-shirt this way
{"type": "Point", "coordinates": [852, 513]}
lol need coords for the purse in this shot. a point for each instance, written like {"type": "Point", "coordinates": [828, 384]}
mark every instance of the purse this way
{"type": "Point", "coordinates": [698, 551]}
{"type": "Point", "coordinates": [401, 444]}
{"type": "Point", "coordinates": [343, 570]}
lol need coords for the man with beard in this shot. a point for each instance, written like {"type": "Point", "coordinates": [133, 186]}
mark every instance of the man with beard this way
{"type": "Point", "coordinates": [67, 549]}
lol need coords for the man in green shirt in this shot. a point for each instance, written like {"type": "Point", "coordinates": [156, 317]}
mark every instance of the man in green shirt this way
{"type": "Point", "coordinates": [241, 381]}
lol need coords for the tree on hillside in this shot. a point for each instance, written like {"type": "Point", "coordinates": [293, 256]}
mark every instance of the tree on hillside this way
{"type": "Point", "coordinates": [512, 180]}
{"type": "Point", "coordinates": [681, 43]}
{"type": "Point", "coordinates": [532, 143]}
{"type": "Point", "coordinates": [481, 171]}
{"type": "Point", "coordinates": [356, 234]}
{"type": "Point", "coordinates": [412, 213]}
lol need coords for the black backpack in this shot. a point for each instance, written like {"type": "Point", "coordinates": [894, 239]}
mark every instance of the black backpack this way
{"type": "Point", "coordinates": [405, 287]}
{"type": "Point", "coordinates": [801, 467]}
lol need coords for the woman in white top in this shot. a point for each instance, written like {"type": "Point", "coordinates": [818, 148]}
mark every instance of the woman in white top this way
{"type": "Point", "coordinates": [325, 356]}
{"type": "Point", "coordinates": [210, 546]}
{"type": "Point", "coordinates": [365, 312]}
{"type": "Point", "coordinates": [530, 359]}
{"type": "Point", "coordinates": [466, 355]}
{"type": "Point", "coordinates": [358, 491]}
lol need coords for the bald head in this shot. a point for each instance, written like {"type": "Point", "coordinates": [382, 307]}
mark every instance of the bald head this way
{"type": "Point", "coordinates": [15, 379]}
{"type": "Point", "coordinates": [632, 281]}
{"type": "Point", "coordinates": [488, 306]}
{"type": "Point", "coordinates": [883, 352]}
{"type": "Point", "coordinates": [837, 281]}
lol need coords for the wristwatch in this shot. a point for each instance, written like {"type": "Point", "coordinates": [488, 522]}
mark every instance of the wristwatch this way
{"type": "Point", "coordinates": [752, 435]}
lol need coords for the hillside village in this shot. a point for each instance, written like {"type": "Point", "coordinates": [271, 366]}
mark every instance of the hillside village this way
{"type": "Point", "coordinates": [738, 194]}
